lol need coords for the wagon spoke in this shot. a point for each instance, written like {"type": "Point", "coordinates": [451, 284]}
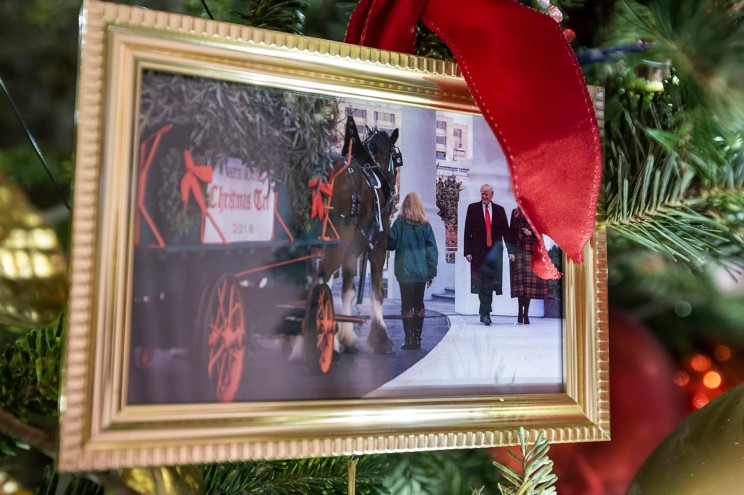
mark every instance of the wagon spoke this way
{"type": "Point", "coordinates": [221, 301]}
{"type": "Point", "coordinates": [233, 309]}
{"type": "Point", "coordinates": [214, 333]}
{"type": "Point", "coordinates": [214, 356]}
{"type": "Point", "coordinates": [231, 305]}
{"type": "Point", "coordinates": [221, 372]}
{"type": "Point", "coordinates": [320, 322]}
{"type": "Point", "coordinates": [224, 330]}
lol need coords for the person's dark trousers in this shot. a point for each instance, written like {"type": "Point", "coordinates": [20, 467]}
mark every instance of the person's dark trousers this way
{"type": "Point", "coordinates": [485, 296]}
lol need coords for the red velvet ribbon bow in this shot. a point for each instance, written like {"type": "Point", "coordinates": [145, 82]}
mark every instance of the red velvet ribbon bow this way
{"type": "Point", "coordinates": [524, 77]}
{"type": "Point", "coordinates": [320, 189]}
{"type": "Point", "coordinates": [190, 181]}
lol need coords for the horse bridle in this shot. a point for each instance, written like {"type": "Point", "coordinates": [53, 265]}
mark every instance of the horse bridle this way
{"type": "Point", "coordinates": [396, 157]}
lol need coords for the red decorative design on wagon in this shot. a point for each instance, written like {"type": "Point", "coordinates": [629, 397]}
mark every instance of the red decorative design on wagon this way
{"type": "Point", "coordinates": [190, 187]}
{"type": "Point", "coordinates": [148, 148]}
{"type": "Point", "coordinates": [320, 190]}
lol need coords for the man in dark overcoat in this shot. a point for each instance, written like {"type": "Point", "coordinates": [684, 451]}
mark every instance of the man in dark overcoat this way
{"type": "Point", "coordinates": [484, 250]}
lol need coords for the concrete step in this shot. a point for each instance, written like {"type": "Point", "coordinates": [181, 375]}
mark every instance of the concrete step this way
{"type": "Point", "coordinates": [448, 296]}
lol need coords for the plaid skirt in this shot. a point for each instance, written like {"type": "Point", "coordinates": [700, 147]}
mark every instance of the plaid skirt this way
{"type": "Point", "coordinates": [524, 282]}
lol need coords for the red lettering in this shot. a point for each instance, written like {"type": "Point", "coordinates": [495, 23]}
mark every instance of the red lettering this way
{"type": "Point", "coordinates": [212, 193]}
{"type": "Point", "coordinates": [259, 199]}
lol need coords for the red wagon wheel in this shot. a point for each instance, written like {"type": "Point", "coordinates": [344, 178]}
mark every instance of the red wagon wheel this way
{"type": "Point", "coordinates": [223, 330]}
{"type": "Point", "coordinates": [320, 327]}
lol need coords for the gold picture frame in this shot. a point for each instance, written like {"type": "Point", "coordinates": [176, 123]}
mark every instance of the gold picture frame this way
{"type": "Point", "coordinates": [109, 416]}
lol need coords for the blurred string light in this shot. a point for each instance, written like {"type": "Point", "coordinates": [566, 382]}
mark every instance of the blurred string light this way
{"type": "Point", "coordinates": [555, 13]}
{"type": "Point", "coordinates": [700, 363]}
{"type": "Point", "coordinates": [705, 377]}
{"type": "Point", "coordinates": [683, 309]}
{"type": "Point", "coordinates": [10, 486]}
{"type": "Point", "coordinates": [722, 353]}
{"type": "Point", "coordinates": [712, 380]}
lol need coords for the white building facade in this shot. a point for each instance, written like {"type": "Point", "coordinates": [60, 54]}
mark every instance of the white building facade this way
{"type": "Point", "coordinates": [433, 144]}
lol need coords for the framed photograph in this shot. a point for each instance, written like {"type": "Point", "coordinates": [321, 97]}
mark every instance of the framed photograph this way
{"type": "Point", "coordinates": [272, 258]}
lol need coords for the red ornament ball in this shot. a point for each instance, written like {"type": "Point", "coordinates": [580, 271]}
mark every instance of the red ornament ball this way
{"type": "Point", "coordinates": [645, 405]}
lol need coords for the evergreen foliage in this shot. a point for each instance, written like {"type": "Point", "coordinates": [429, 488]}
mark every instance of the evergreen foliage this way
{"type": "Point", "coordinates": [326, 476]}
{"type": "Point", "coordinates": [67, 484]}
{"type": "Point", "coordinates": [21, 164]}
{"type": "Point", "coordinates": [29, 391]}
{"type": "Point", "coordinates": [673, 174]}
{"type": "Point", "coordinates": [287, 15]}
{"type": "Point", "coordinates": [447, 198]}
{"type": "Point", "coordinates": [327, 19]}
{"type": "Point", "coordinates": [40, 45]}
{"type": "Point", "coordinates": [435, 473]}
{"type": "Point", "coordinates": [536, 475]}
{"type": "Point", "coordinates": [430, 45]}
{"type": "Point", "coordinates": [29, 374]}
{"type": "Point", "coordinates": [685, 307]}
{"type": "Point", "coordinates": [282, 133]}
{"type": "Point", "coordinates": [704, 41]}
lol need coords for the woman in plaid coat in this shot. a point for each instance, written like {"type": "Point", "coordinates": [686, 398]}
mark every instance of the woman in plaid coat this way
{"type": "Point", "coordinates": [525, 285]}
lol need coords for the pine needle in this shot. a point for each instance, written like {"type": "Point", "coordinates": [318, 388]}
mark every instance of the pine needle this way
{"type": "Point", "coordinates": [537, 476]}
{"type": "Point", "coordinates": [673, 178]}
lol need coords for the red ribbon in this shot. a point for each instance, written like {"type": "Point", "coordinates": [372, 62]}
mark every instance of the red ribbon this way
{"type": "Point", "coordinates": [190, 181]}
{"type": "Point", "coordinates": [320, 189]}
{"type": "Point", "coordinates": [525, 79]}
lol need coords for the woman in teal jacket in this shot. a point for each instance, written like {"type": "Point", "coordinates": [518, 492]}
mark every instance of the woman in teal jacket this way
{"type": "Point", "coordinates": [412, 239]}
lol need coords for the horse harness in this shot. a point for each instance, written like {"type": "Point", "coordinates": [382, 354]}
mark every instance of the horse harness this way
{"type": "Point", "coordinates": [376, 180]}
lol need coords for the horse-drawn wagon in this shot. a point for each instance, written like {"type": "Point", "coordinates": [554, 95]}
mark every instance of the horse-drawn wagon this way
{"type": "Point", "coordinates": [232, 260]}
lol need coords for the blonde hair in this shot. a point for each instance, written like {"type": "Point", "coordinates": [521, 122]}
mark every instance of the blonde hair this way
{"type": "Point", "coordinates": [412, 210]}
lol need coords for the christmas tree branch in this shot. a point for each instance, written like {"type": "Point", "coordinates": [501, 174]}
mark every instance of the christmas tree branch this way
{"type": "Point", "coordinates": [672, 176]}
{"type": "Point", "coordinates": [319, 475]}
{"type": "Point", "coordinates": [536, 477]}
{"type": "Point", "coordinates": [41, 441]}
{"type": "Point", "coordinates": [33, 437]}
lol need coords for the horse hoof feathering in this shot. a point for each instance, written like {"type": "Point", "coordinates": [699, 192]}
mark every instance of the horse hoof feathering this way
{"type": "Point", "coordinates": [378, 339]}
{"type": "Point", "coordinates": [346, 339]}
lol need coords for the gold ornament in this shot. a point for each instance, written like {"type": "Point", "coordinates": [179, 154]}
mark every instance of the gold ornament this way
{"type": "Point", "coordinates": [33, 276]}
{"type": "Point", "coordinates": [170, 480]}
{"type": "Point", "coordinates": [703, 454]}
{"type": "Point", "coordinates": [10, 486]}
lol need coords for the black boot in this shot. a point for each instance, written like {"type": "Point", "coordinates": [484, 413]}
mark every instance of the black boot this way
{"type": "Point", "coordinates": [408, 330]}
{"type": "Point", "coordinates": [418, 326]}
{"type": "Point", "coordinates": [526, 311]}
{"type": "Point", "coordinates": [520, 314]}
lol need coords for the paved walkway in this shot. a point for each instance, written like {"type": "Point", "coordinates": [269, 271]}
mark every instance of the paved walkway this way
{"type": "Point", "coordinates": [474, 359]}
{"type": "Point", "coordinates": [459, 356]}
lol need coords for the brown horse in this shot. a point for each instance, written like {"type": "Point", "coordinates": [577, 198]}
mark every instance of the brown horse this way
{"type": "Point", "coordinates": [362, 201]}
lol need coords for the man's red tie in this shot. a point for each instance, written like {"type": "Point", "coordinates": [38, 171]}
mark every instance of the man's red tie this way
{"type": "Point", "coordinates": [489, 239]}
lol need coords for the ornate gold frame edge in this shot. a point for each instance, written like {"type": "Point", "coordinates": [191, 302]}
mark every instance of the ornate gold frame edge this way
{"type": "Point", "coordinates": [83, 447]}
